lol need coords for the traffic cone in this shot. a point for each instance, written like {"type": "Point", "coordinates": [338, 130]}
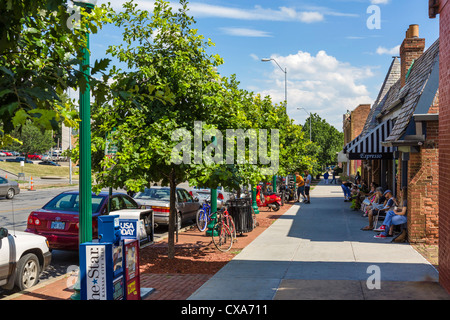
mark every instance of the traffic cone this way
{"type": "Point", "coordinates": [31, 182]}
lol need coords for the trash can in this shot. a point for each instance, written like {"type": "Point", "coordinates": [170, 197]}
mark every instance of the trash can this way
{"type": "Point", "coordinates": [241, 211]}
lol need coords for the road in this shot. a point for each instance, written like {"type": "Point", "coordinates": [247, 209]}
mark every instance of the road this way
{"type": "Point", "coordinates": [14, 214]}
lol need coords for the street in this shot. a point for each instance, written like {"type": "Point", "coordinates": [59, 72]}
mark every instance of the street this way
{"type": "Point", "coordinates": [14, 214]}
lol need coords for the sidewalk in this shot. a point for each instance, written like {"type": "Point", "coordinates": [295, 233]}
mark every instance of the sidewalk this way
{"type": "Point", "coordinates": [317, 251]}
{"type": "Point", "coordinates": [313, 251]}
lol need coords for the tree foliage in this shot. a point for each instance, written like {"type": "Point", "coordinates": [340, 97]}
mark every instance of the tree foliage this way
{"type": "Point", "coordinates": [39, 58]}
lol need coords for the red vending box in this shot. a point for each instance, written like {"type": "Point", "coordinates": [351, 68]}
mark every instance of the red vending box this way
{"type": "Point", "coordinates": [132, 276]}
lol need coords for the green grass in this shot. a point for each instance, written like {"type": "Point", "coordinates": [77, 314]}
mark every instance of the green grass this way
{"type": "Point", "coordinates": [36, 170]}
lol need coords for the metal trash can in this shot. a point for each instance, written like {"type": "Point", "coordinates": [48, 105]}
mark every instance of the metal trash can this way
{"type": "Point", "coordinates": [241, 211]}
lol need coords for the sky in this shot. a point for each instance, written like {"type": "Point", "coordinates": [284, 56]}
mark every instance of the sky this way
{"type": "Point", "coordinates": [336, 53]}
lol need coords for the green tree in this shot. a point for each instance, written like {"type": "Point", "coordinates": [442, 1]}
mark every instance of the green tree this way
{"type": "Point", "coordinates": [34, 139]}
{"type": "Point", "coordinates": [170, 83]}
{"type": "Point", "coordinates": [39, 58]}
{"type": "Point", "coordinates": [327, 138]}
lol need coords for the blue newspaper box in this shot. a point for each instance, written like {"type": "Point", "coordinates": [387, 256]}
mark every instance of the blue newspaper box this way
{"type": "Point", "coordinates": [102, 263]}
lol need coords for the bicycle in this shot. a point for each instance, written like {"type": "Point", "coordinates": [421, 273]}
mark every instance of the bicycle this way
{"type": "Point", "coordinates": [222, 234]}
{"type": "Point", "coordinates": [203, 216]}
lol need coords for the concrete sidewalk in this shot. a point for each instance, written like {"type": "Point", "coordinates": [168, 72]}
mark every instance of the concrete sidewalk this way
{"type": "Point", "coordinates": [317, 251]}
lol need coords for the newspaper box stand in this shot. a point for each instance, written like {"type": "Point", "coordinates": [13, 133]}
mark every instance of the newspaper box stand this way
{"type": "Point", "coordinates": [109, 267]}
{"type": "Point", "coordinates": [132, 275]}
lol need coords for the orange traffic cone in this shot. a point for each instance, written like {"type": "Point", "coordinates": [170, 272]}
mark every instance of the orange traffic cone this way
{"type": "Point", "coordinates": [31, 183]}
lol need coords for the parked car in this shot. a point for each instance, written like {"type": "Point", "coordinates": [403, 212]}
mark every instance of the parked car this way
{"type": "Point", "coordinates": [34, 156]}
{"type": "Point", "coordinates": [18, 159]}
{"type": "Point", "coordinates": [23, 257]}
{"type": "Point", "coordinates": [2, 154]}
{"type": "Point", "coordinates": [8, 188]}
{"type": "Point", "coordinates": [157, 198]}
{"type": "Point", "coordinates": [7, 153]}
{"type": "Point", "coordinates": [203, 194]}
{"type": "Point", "coordinates": [58, 220]}
{"type": "Point", "coordinates": [49, 163]}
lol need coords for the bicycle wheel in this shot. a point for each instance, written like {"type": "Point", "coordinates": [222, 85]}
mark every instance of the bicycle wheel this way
{"type": "Point", "coordinates": [222, 237]}
{"type": "Point", "coordinates": [202, 220]}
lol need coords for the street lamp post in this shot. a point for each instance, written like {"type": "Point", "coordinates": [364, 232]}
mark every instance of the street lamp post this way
{"type": "Point", "coordinates": [285, 79]}
{"type": "Point", "coordinates": [310, 126]}
{"type": "Point", "coordinates": [274, 179]}
{"type": "Point", "coordinates": [85, 188]}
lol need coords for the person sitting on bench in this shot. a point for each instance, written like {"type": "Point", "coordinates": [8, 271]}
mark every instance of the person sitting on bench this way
{"type": "Point", "coordinates": [393, 218]}
{"type": "Point", "coordinates": [387, 205]}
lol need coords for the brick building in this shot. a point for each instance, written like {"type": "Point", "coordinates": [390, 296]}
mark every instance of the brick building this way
{"type": "Point", "coordinates": [375, 164]}
{"type": "Point", "coordinates": [399, 144]}
{"type": "Point", "coordinates": [353, 124]}
{"type": "Point", "coordinates": [442, 7]}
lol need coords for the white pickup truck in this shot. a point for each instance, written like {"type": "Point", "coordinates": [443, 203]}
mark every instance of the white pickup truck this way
{"type": "Point", "coordinates": [23, 256]}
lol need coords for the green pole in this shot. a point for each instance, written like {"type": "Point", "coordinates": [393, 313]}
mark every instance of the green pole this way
{"type": "Point", "coordinates": [85, 153]}
{"type": "Point", "coordinates": [274, 184]}
{"type": "Point", "coordinates": [213, 211]}
{"type": "Point", "coordinates": [85, 187]}
{"type": "Point", "coordinates": [254, 204]}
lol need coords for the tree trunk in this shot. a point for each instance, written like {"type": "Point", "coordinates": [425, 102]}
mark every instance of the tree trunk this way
{"type": "Point", "coordinates": [172, 215]}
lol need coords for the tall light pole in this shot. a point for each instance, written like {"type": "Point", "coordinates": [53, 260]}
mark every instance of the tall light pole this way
{"type": "Point", "coordinates": [274, 179]}
{"type": "Point", "coordinates": [85, 188]}
{"type": "Point", "coordinates": [285, 78]}
{"type": "Point", "coordinates": [310, 126]}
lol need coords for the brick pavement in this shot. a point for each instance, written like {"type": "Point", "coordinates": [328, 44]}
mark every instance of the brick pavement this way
{"type": "Point", "coordinates": [173, 286]}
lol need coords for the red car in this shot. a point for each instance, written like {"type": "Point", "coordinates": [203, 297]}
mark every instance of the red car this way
{"type": "Point", "coordinates": [58, 220]}
{"type": "Point", "coordinates": [34, 156]}
{"type": "Point", "coordinates": [7, 153]}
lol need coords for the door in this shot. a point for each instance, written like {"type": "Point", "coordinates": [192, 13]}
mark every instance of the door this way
{"type": "Point", "coordinates": [3, 186]}
{"type": "Point", "coordinates": [7, 255]}
{"type": "Point", "coordinates": [181, 203]}
{"type": "Point", "coordinates": [191, 206]}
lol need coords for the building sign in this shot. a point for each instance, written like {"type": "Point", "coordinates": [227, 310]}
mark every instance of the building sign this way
{"type": "Point", "coordinates": [371, 156]}
{"type": "Point", "coordinates": [95, 272]}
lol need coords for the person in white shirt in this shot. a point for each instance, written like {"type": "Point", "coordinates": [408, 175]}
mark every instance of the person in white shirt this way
{"type": "Point", "coordinates": [307, 186]}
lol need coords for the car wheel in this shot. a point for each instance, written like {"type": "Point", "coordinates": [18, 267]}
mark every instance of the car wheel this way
{"type": "Point", "coordinates": [27, 273]}
{"type": "Point", "coordinates": [10, 194]}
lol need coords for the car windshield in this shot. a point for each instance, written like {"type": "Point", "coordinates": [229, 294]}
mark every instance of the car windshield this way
{"type": "Point", "coordinates": [70, 202]}
{"type": "Point", "coordinates": [154, 194]}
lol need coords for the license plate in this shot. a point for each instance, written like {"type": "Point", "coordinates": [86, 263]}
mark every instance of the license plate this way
{"type": "Point", "coordinates": [57, 225]}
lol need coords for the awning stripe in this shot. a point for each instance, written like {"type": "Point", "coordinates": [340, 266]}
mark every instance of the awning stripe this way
{"type": "Point", "coordinates": [371, 142]}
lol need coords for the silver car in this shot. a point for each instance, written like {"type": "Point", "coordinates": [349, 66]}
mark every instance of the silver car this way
{"type": "Point", "coordinates": [8, 188]}
{"type": "Point", "coordinates": [157, 198]}
{"type": "Point", "coordinates": [204, 194]}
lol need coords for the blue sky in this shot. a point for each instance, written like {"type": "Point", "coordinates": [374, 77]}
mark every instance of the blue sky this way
{"type": "Point", "coordinates": [334, 62]}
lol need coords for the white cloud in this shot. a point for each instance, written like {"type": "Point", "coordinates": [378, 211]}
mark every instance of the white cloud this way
{"type": "Point", "coordinates": [245, 32]}
{"type": "Point", "coordinates": [380, 1]}
{"type": "Point", "coordinates": [393, 51]}
{"type": "Point", "coordinates": [255, 13]}
{"type": "Point", "coordinates": [321, 84]}
{"type": "Point", "coordinates": [254, 56]}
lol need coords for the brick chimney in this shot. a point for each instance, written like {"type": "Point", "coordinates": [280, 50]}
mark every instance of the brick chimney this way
{"type": "Point", "coordinates": [410, 50]}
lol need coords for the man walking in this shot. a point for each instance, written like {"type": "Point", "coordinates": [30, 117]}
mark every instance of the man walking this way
{"type": "Point", "coordinates": [307, 186]}
{"type": "Point", "coordinates": [300, 186]}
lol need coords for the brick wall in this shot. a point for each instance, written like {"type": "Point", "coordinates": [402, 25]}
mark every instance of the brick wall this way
{"type": "Point", "coordinates": [444, 145]}
{"type": "Point", "coordinates": [423, 190]}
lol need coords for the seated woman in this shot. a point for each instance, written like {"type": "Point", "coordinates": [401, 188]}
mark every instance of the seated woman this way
{"type": "Point", "coordinates": [377, 204]}
{"type": "Point", "coordinates": [371, 197]}
{"type": "Point", "coordinates": [393, 218]}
